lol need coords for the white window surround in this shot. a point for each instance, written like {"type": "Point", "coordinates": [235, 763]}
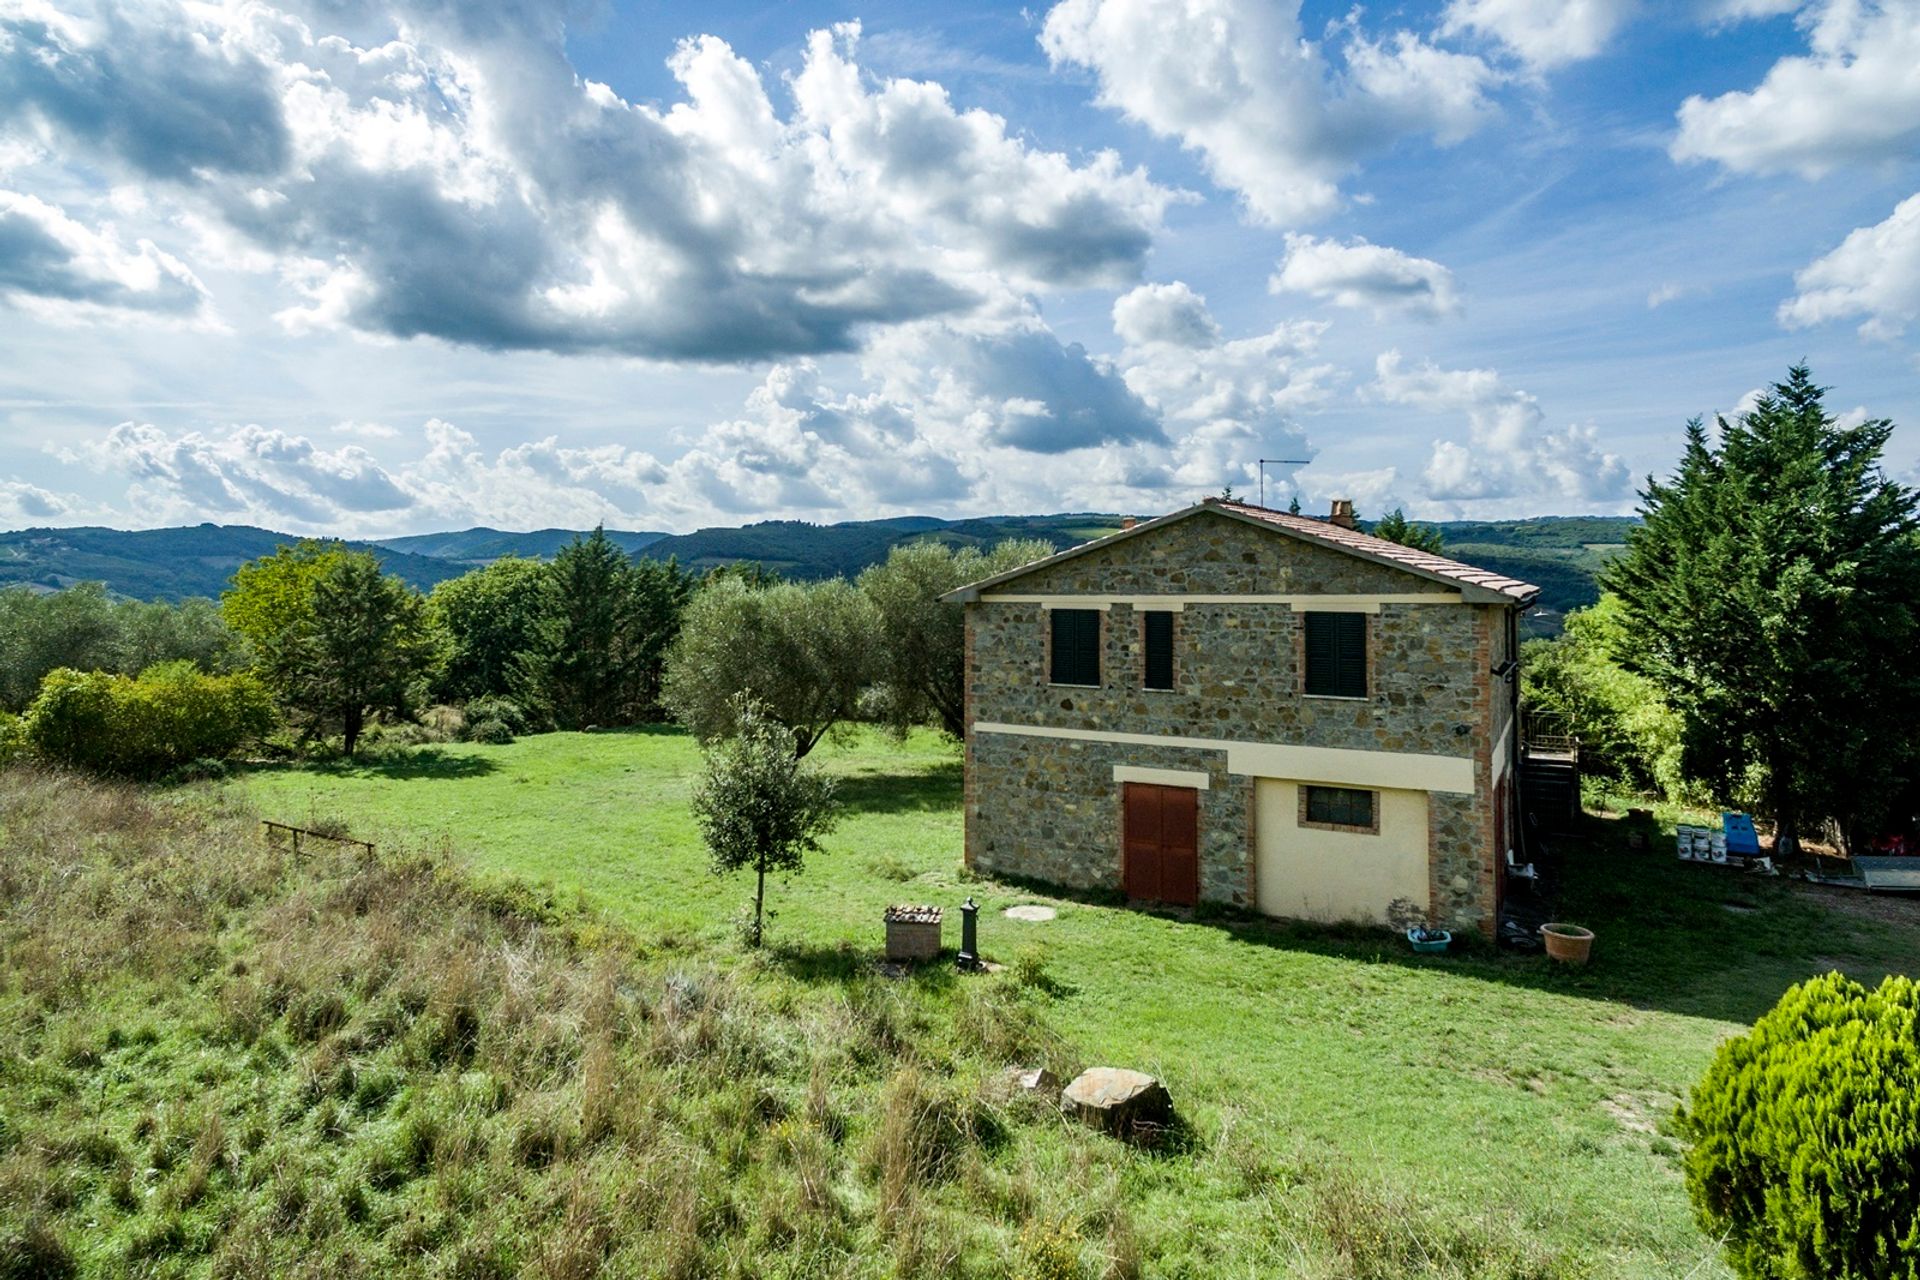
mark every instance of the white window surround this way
{"type": "Point", "coordinates": [1336, 766]}
{"type": "Point", "coordinates": [1162, 777]}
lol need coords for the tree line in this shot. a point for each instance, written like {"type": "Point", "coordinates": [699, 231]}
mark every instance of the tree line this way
{"type": "Point", "coordinates": [314, 648]}
{"type": "Point", "coordinates": [1755, 643]}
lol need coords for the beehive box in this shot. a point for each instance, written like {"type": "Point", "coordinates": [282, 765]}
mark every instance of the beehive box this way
{"type": "Point", "coordinates": [913, 932]}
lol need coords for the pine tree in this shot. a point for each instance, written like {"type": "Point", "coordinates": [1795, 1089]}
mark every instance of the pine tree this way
{"type": "Point", "coordinates": [1395, 527]}
{"type": "Point", "coordinates": [584, 670]}
{"type": "Point", "coordinates": [1774, 596]}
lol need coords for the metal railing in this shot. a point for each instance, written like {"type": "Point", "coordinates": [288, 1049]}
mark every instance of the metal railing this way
{"type": "Point", "coordinates": [268, 828]}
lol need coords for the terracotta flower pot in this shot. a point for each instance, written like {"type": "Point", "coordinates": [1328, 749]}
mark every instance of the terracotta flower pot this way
{"type": "Point", "coordinates": [1567, 943]}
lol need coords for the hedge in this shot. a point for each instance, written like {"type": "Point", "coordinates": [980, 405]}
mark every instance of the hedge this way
{"type": "Point", "coordinates": [141, 727]}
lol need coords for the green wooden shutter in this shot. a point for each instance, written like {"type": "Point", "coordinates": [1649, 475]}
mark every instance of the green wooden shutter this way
{"type": "Point", "coordinates": [1337, 655]}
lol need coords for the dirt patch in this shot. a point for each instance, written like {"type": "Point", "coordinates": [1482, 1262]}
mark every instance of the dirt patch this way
{"type": "Point", "coordinates": [1858, 903]}
{"type": "Point", "coordinates": [1030, 912]}
{"type": "Point", "coordinates": [1637, 1112]}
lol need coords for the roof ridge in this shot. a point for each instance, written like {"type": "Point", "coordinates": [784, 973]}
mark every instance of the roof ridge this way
{"type": "Point", "coordinates": [1353, 539]}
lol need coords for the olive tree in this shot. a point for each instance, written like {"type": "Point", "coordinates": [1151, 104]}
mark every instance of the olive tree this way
{"type": "Point", "coordinates": [922, 654]}
{"type": "Point", "coordinates": [758, 806]}
{"type": "Point", "coordinates": [803, 652]}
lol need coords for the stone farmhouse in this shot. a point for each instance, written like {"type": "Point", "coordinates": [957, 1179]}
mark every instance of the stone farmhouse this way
{"type": "Point", "coordinates": [1235, 705]}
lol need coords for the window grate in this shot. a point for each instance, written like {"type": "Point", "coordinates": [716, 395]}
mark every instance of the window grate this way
{"type": "Point", "coordinates": [1340, 807]}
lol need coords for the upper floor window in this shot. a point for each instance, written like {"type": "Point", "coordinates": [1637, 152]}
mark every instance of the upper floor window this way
{"type": "Point", "coordinates": [1076, 646]}
{"type": "Point", "coordinates": [1336, 655]}
{"type": "Point", "coordinates": [1157, 625]}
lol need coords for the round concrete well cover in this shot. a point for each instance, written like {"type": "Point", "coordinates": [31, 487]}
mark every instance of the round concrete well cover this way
{"type": "Point", "coordinates": [1030, 911]}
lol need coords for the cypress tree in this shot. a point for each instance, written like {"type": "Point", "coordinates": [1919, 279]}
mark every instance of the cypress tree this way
{"type": "Point", "coordinates": [1773, 594]}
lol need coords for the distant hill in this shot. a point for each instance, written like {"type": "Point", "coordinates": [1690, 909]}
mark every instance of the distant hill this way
{"type": "Point", "coordinates": [1561, 554]}
{"type": "Point", "coordinates": [483, 545]}
{"type": "Point", "coordinates": [167, 564]}
{"type": "Point", "coordinates": [798, 549]}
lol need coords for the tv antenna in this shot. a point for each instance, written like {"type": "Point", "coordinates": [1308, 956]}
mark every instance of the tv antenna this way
{"type": "Point", "coordinates": [1265, 462]}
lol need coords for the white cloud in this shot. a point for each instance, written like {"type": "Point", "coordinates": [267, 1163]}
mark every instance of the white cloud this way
{"type": "Point", "coordinates": [1225, 403]}
{"type": "Point", "coordinates": [26, 502]}
{"type": "Point", "coordinates": [1509, 452]}
{"type": "Point", "coordinates": [1852, 98]}
{"type": "Point", "coordinates": [446, 173]}
{"type": "Point", "coordinates": [1874, 273]}
{"type": "Point", "coordinates": [1731, 11]}
{"type": "Point", "coordinates": [1543, 33]}
{"type": "Point", "coordinates": [53, 265]}
{"type": "Point", "coordinates": [1362, 275]}
{"type": "Point", "coordinates": [1164, 313]}
{"type": "Point", "coordinates": [1276, 117]}
{"type": "Point", "coordinates": [1661, 295]}
{"type": "Point", "coordinates": [249, 471]}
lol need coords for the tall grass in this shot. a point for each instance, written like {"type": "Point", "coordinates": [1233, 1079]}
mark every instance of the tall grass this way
{"type": "Point", "coordinates": [223, 1059]}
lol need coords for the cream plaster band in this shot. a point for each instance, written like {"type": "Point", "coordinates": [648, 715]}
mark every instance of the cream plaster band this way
{"type": "Point", "coordinates": [1336, 765]}
{"type": "Point", "coordinates": [1503, 755]}
{"type": "Point", "coordinates": [1161, 777]}
{"type": "Point", "coordinates": [1178, 604]}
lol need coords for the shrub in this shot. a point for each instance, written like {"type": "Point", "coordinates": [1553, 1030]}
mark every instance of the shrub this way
{"type": "Point", "coordinates": [502, 710]}
{"type": "Point", "coordinates": [13, 740]}
{"type": "Point", "coordinates": [141, 727]}
{"type": "Point", "coordinates": [1806, 1136]}
{"type": "Point", "coordinates": [491, 732]}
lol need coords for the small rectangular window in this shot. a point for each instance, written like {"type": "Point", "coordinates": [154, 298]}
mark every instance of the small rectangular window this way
{"type": "Point", "coordinates": [1337, 655]}
{"type": "Point", "coordinates": [1158, 626]}
{"type": "Point", "coordinates": [1339, 807]}
{"type": "Point", "coordinates": [1076, 646]}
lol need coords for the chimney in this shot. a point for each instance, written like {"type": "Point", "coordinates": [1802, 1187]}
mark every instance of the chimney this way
{"type": "Point", "coordinates": [1128, 523]}
{"type": "Point", "coordinates": [1342, 513]}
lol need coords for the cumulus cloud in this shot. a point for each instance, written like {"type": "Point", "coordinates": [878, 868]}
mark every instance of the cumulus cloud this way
{"type": "Point", "coordinates": [1852, 98]}
{"type": "Point", "coordinates": [22, 501]}
{"type": "Point", "coordinates": [1363, 275]}
{"type": "Point", "coordinates": [1225, 402]}
{"type": "Point", "coordinates": [52, 263]}
{"type": "Point", "coordinates": [1509, 453]}
{"type": "Point", "coordinates": [1543, 33]}
{"type": "Point", "coordinates": [244, 471]}
{"type": "Point", "coordinates": [1874, 273]}
{"type": "Point", "coordinates": [441, 171]}
{"type": "Point", "coordinates": [1276, 117]}
{"type": "Point", "coordinates": [1164, 313]}
{"type": "Point", "coordinates": [157, 95]}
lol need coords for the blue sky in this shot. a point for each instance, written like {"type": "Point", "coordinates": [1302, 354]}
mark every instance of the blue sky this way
{"type": "Point", "coordinates": [381, 266]}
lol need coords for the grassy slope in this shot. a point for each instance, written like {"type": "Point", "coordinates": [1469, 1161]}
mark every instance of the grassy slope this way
{"type": "Point", "coordinates": [1484, 1080]}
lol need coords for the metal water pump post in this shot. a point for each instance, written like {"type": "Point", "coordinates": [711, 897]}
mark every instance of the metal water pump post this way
{"type": "Point", "coordinates": [969, 957]}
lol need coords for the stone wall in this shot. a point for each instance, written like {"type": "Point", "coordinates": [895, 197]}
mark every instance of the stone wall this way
{"type": "Point", "coordinates": [1048, 808]}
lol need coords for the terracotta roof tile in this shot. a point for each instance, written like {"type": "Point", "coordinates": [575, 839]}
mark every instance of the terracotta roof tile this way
{"type": "Point", "coordinates": [1342, 538]}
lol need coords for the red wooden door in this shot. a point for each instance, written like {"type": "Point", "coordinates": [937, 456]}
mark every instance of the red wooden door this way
{"type": "Point", "coordinates": [1160, 843]}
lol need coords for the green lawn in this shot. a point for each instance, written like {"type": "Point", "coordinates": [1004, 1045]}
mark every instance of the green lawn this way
{"type": "Point", "coordinates": [1482, 1085]}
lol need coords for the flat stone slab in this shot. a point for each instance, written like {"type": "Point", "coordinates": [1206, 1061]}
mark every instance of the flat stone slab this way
{"type": "Point", "coordinates": [1030, 911]}
{"type": "Point", "coordinates": [1128, 1104]}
